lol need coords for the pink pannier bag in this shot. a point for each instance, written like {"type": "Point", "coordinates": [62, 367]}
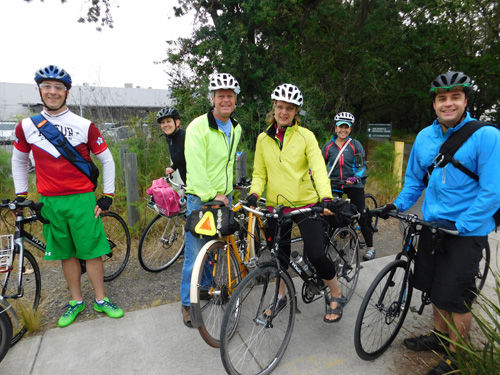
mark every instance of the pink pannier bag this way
{"type": "Point", "coordinates": [166, 198]}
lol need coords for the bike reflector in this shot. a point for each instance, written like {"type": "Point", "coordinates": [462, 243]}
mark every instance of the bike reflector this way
{"type": "Point", "coordinates": [206, 225]}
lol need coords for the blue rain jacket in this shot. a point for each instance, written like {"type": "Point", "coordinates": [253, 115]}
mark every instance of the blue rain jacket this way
{"type": "Point", "coordinates": [451, 194]}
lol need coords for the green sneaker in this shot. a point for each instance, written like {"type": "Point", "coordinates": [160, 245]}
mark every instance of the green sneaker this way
{"type": "Point", "coordinates": [73, 309]}
{"type": "Point", "coordinates": [110, 309]}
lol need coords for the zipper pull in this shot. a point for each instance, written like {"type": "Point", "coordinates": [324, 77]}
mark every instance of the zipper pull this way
{"type": "Point", "coordinates": [444, 174]}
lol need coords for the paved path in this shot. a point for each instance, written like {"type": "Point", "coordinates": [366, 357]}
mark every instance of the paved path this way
{"type": "Point", "coordinates": [154, 341]}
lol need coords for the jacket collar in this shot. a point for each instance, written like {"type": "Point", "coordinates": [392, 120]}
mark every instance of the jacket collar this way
{"type": "Point", "coordinates": [213, 124]}
{"type": "Point", "coordinates": [466, 119]}
{"type": "Point", "coordinates": [271, 130]}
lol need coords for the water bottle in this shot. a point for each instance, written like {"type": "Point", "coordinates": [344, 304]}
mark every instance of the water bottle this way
{"type": "Point", "coordinates": [299, 261]}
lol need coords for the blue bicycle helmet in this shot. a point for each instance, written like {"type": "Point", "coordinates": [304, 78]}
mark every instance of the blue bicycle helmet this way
{"type": "Point", "coordinates": [55, 73]}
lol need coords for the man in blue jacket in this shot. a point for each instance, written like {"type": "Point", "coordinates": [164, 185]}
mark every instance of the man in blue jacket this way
{"type": "Point", "coordinates": [455, 201]}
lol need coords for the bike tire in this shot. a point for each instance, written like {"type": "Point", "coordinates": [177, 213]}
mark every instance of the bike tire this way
{"type": "Point", "coordinates": [216, 274]}
{"type": "Point", "coordinates": [343, 251]}
{"type": "Point", "coordinates": [162, 242]}
{"type": "Point", "coordinates": [381, 315]}
{"type": "Point", "coordinates": [484, 267]}
{"type": "Point", "coordinates": [118, 237]}
{"type": "Point", "coordinates": [31, 286]}
{"type": "Point", "coordinates": [5, 333]}
{"type": "Point", "coordinates": [371, 204]}
{"type": "Point", "coordinates": [251, 341]}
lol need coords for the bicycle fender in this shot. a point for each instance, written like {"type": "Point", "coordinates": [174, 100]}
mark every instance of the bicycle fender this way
{"type": "Point", "coordinates": [193, 295]}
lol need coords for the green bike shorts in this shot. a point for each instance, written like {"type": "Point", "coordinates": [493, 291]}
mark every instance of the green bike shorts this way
{"type": "Point", "coordinates": [73, 230]}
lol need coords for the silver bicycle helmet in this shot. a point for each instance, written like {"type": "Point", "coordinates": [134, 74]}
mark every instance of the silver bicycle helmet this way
{"type": "Point", "coordinates": [167, 112]}
{"type": "Point", "coordinates": [449, 80]}
{"type": "Point", "coordinates": [288, 93]}
{"type": "Point", "coordinates": [226, 81]}
{"type": "Point", "coordinates": [344, 117]}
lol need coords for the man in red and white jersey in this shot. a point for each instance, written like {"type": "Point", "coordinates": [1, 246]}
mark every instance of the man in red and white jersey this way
{"type": "Point", "coordinates": [75, 231]}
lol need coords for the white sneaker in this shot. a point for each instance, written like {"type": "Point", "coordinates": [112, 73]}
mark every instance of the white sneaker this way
{"type": "Point", "coordinates": [370, 254]}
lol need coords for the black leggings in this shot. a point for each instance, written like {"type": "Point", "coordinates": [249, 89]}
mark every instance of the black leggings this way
{"type": "Point", "coordinates": [312, 231]}
{"type": "Point", "coordinates": [357, 197]}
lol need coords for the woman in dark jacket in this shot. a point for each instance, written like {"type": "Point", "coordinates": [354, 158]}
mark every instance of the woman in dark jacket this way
{"type": "Point", "coordinates": [346, 163]}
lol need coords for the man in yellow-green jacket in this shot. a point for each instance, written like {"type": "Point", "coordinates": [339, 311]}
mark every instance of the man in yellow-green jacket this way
{"type": "Point", "coordinates": [210, 149]}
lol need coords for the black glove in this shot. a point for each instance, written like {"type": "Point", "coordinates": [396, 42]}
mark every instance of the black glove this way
{"type": "Point", "coordinates": [105, 202]}
{"type": "Point", "coordinates": [384, 214]}
{"type": "Point", "coordinates": [445, 224]}
{"type": "Point", "coordinates": [252, 200]}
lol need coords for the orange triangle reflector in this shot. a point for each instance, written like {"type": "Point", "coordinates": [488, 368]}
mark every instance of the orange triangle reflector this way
{"type": "Point", "coordinates": [206, 225]}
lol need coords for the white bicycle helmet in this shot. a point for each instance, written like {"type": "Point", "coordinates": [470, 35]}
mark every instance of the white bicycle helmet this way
{"type": "Point", "coordinates": [226, 81]}
{"type": "Point", "coordinates": [288, 93]}
{"type": "Point", "coordinates": [344, 118]}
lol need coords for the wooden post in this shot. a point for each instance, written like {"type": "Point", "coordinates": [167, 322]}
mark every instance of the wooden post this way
{"type": "Point", "coordinates": [132, 186]}
{"type": "Point", "coordinates": [241, 165]}
{"type": "Point", "coordinates": [399, 148]}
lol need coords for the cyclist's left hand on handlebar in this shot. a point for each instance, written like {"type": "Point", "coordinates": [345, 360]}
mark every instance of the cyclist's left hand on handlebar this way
{"type": "Point", "coordinates": [445, 224]}
{"type": "Point", "coordinates": [328, 206]}
{"type": "Point", "coordinates": [252, 200]}
{"type": "Point", "coordinates": [168, 171]}
{"type": "Point", "coordinates": [386, 209]}
{"type": "Point", "coordinates": [352, 180]}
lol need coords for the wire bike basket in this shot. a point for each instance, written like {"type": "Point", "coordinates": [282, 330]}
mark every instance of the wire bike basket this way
{"type": "Point", "coordinates": [6, 251]}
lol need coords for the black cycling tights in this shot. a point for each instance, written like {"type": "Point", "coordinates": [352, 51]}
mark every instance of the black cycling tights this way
{"type": "Point", "coordinates": [312, 231]}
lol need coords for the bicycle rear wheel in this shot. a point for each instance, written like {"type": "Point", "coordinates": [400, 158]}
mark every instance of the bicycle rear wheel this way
{"type": "Point", "coordinates": [343, 250]}
{"type": "Point", "coordinates": [253, 336]}
{"type": "Point", "coordinates": [216, 274]}
{"type": "Point", "coordinates": [31, 288]}
{"type": "Point", "coordinates": [383, 310]}
{"type": "Point", "coordinates": [162, 242]}
{"type": "Point", "coordinates": [5, 333]}
{"type": "Point", "coordinates": [371, 204]}
{"type": "Point", "coordinates": [119, 241]}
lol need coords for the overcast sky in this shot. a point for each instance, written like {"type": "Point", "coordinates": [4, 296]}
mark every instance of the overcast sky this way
{"type": "Point", "coordinates": [37, 34]}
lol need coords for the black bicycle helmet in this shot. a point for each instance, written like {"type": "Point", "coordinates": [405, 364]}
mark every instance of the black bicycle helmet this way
{"type": "Point", "coordinates": [55, 73]}
{"type": "Point", "coordinates": [167, 112]}
{"type": "Point", "coordinates": [449, 80]}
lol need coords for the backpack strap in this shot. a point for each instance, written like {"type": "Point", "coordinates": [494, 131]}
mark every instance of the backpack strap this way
{"type": "Point", "coordinates": [61, 143]}
{"type": "Point", "coordinates": [451, 146]}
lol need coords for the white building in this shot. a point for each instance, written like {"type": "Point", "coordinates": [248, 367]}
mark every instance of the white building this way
{"type": "Point", "coordinates": [99, 104]}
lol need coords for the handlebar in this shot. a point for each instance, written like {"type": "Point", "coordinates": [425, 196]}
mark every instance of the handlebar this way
{"type": "Point", "coordinates": [27, 203]}
{"type": "Point", "coordinates": [170, 180]}
{"type": "Point", "coordinates": [278, 211]}
{"type": "Point", "coordinates": [412, 218]}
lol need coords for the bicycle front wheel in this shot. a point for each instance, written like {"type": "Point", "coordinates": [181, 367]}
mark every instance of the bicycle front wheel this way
{"type": "Point", "coordinates": [383, 310]}
{"type": "Point", "coordinates": [119, 241]}
{"type": "Point", "coordinates": [371, 204]}
{"type": "Point", "coordinates": [343, 251]}
{"type": "Point", "coordinates": [258, 322]}
{"type": "Point", "coordinates": [5, 333]}
{"type": "Point", "coordinates": [31, 287]}
{"type": "Point", "coordinates": [216, 274]}
{"type": "Point", "coordinates": [484, 267]}
{"type": "Point", "coordinates": [162, 242]}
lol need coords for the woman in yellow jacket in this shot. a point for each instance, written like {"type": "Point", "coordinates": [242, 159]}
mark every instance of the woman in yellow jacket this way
{"type": "Point", "coordinates": [284, 155]}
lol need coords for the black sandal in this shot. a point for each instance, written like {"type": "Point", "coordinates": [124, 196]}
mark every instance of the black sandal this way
{"type": "Point", "coordinates": [275, 309]}
{"type": "Point", "coordinates": [341, 301]}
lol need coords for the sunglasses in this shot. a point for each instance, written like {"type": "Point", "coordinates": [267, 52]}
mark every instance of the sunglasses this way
{"type": "Point", "coordinates": [48, 86]}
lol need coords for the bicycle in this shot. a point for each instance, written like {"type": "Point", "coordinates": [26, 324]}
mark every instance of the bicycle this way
{"type": "Point", "coordinates": [387, 301]}
{"type": "Point", "coordinates": [370, 204]}
{"type": "Point", "coordinates": [162, 242]}
{"type": "Point", "coordinates": [223, 263]}
{"type": "Point", "coordinates": [258, 321]}
{"type": "Point", "coordinates": [21, 283]}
